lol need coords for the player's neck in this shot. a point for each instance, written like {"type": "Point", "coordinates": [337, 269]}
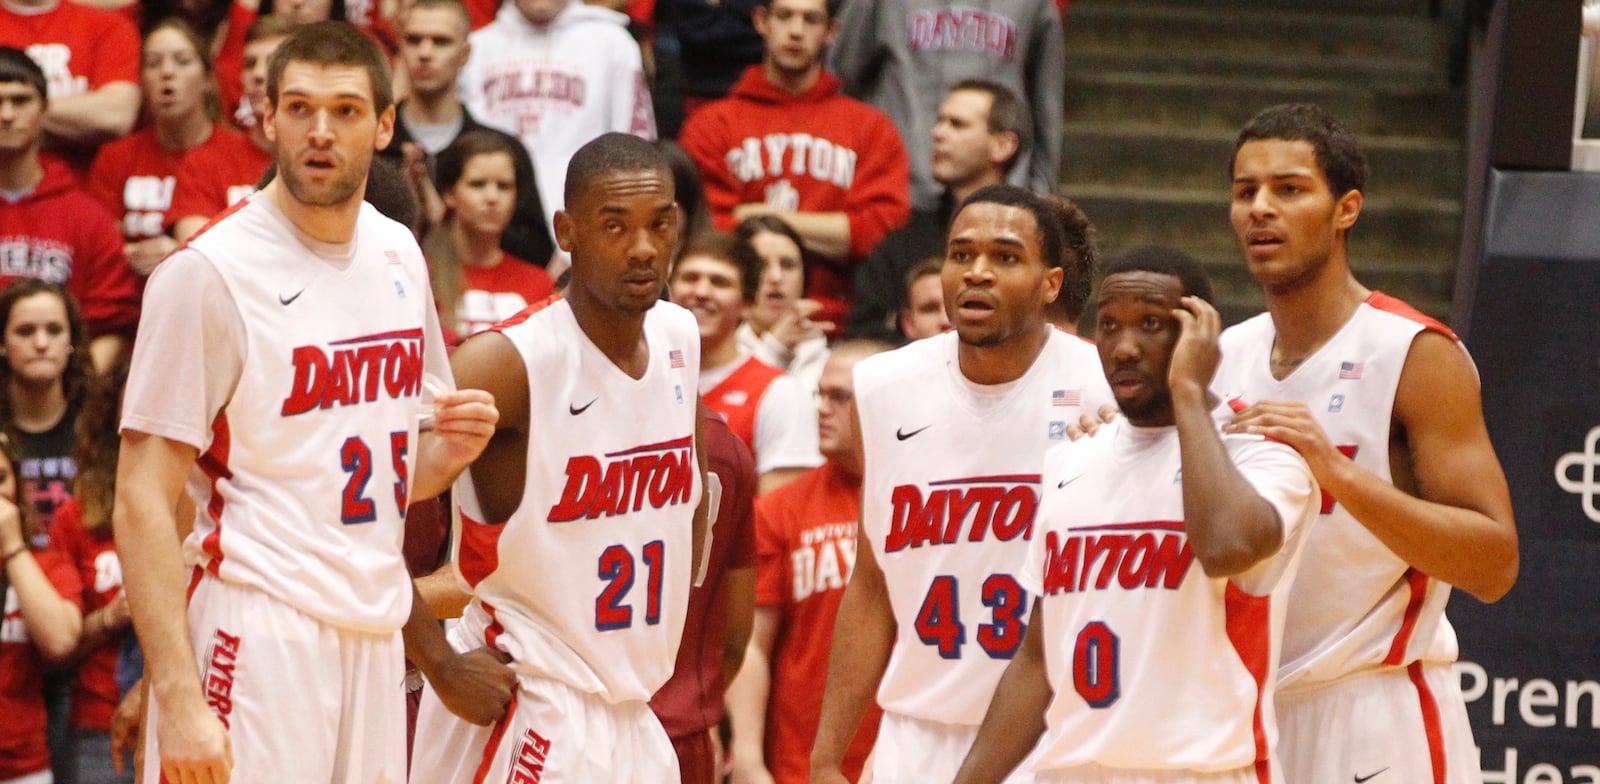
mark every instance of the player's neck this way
{"type": "Point", "coordinates": [1309, 315]}
{"type": "Point", "coordinates": [1004, 362]}
{"type": "Point", "coordinates": [432, 109]}
{"type": "Point", "coordinates": [334, 224]}
{"type": "Point", "coordinates": [619, 335]}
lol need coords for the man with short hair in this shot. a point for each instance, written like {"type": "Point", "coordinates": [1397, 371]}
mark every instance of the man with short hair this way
{"type": "Point", "coordinates": [786, 142]}
{"type": "Point", "coordinates": [584, 519]}
{"type": "Point", "coordinates": [983, 130]}
{"type": "Point", "coordinates": [717, 280]}
{"type": "Point", "coordinates": [903, 55]}
{"type": "Point", "coordinates": [1384, 405]}
{"type": "Point", "coordinates": [806, 542]}
{"type": "Point", "coordinates": [434, 49]}
{"type": "Point", "coordinates": [51, 230]}
{"type": "Point", "coordinates": [923, 315]}
{"type": "Point", "coordinates": [556, 74]}
{"type": "Point", "coordinates": [281, 377]}
{"type": "Point", "coordinates": [90, 58]}
{"type": "Point", "coordinates": [1161, 564]}
{"type": "Point", "coordinates": [954, 431]}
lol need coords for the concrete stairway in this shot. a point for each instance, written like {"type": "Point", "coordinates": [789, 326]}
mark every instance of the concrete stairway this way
{"type": "Point", "coordinates": [1156, 92]}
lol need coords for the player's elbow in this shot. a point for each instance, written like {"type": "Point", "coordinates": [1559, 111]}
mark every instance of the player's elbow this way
{"type": "Point", "coordinates": [1226, 556]}
{"type": "Point", "coordinates": [1498, 576]}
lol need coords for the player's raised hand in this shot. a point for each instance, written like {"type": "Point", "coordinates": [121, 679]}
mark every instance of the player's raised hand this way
{"type": "Point", "coordinates": [194, 744]}
{"type": "Point", "coordinates": [476, 685]}
{"type": "Point", "coordinates": [1196, 355]}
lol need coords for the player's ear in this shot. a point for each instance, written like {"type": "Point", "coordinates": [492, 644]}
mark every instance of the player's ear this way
{"type": "Point", "coordinates": [1346, 210]}
{"type": "Point", "coordinates": [564, 230]}
{"type": "Point", "coordinates": [1051, 288]}
{"type": "Point", "coordinates": [267, 114]}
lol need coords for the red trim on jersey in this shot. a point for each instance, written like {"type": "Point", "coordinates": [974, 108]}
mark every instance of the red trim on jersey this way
{"type": "Point", "coordinates": [526, 313]}
{"type": "Point", "coordinates": [1389, 304]}
{"type": "Point", "coordinates": [399, 334]}
{"type": "Point", "coordinates": [194, 583]}
{"type": "Point", "coordinates": [1249, 624]}
{"type": "Point", "coordinates": [1417, 583]}
{"type": "Point", "coordinates": [480, 549]}
{"type": "Point", "coordinates": [664, 446]}
{"type": "Point", "coordinates": [215, 465]}
{"type": "Point", "coordinates": [988, 480]}
{"type": "Point", "coordinates": [1430, 721]}
{"type": "Point", "coordinates": [232, 208]}
{"type": "Point", "coordinates": [492, 748]}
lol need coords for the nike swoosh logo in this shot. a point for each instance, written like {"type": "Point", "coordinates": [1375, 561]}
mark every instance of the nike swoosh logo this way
{"type": "Point", "coordinates": [1065, 482]}
{"type": "Point", "coordinates": [282, 300]}
{"type": "Point", "coordinates": [576, 410]}
{"type": "Point", "coordinates": [901, 434]}
{"type": "Point", "coordinates": [1364, 779]}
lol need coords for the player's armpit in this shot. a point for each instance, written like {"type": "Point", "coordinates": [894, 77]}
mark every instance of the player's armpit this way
{"type": "Point", "coordinates": [1463, 531]}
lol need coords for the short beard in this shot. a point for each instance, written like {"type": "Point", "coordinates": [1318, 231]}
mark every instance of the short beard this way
{"type": "Point", "coordinates": [1150, 408]}
{"type": "Point", "coordinates": [337, 192]}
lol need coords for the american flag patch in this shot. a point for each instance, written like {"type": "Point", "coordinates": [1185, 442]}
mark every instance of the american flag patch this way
{"type": "Point", "coordinates": [1350, 369]}
{"type": "Point", "coordinates": [392, 256]}
{"type": "Point", "coordinates": [675, 357]}
{"type": "Point", "coordinates": [1066, 397]}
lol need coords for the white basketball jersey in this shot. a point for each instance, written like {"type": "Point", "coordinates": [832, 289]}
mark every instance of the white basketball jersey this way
{"type": "Point", "coordinates": [949, 493]}
{"type": "Point", "coordinates": [1355, 604]}
{"type": "Point", "coordinates": [588, 582]}
{"type": "Point", "coordinates": [303, 489]}
{"type": "Point", "coordinates": [1138, 636]}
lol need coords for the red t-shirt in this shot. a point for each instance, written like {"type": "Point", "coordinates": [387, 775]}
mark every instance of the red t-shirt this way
{"type": "Point", "coordinates": [135, 178]}
{"type": "Point", "coordinates": [224, 174]}
{"type": "Point", "coordinates": [80, 48]}
{"type": "Point", "coordinates": [805, 544]}
{"type": "Point", "coordinates": [22, 745]}
{"type": "Point", "coordinates": [690, 701]}
{"type": "Point", "coordinates": [94, 554]}
{"type": "Point", "coordinates": [493, 294]}
{"type": "Point", "coordinates": [57, 233]}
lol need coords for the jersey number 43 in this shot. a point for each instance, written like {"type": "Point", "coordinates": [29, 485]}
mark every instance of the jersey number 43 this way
{"type": "Point", "coordinates": [938, 621]}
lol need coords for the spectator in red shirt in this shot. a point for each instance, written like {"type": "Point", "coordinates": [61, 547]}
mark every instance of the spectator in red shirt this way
{"type": "Point", "coordinates": [805, 551]}
{"type": "Point", "coordinates": [51, 230]}
{"type": "Point", "coordinates": [91, 62]}
{"type": "Point", "coordinates": [475, 283]}
{"type": "Point", "coordinates": [787, 142]}
{"type": "Point", "coordinates": [135, 177]}
{"type": "Point", "coordinates": [40, 582]}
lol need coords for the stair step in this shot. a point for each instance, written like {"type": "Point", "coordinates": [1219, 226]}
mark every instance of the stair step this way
{"type": "Point", "coordinates": [1321, 32]}
{"type": "Point", "coordinates": [1366, 7]}
{"type": "Point", "coordinates": [1218, 63]}
{"type": "Point", "coordinates": [1150, 156]}
{"type": "Point", "coordinates": [1190, 101]}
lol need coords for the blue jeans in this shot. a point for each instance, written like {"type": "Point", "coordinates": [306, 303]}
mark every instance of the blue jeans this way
{"type": "Point", "coordinates": [91, 750]}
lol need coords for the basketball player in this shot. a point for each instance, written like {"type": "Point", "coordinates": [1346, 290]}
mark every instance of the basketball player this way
{"type": "Point", "coordinates": [1384, 405]}
{"type": "Point", "coordinates": [954, 430]}
{"type": "Point", "coordinates": [579, 523]}
{"type": "Point", "coordinates": [1124, 621]}
{"type": "Point", "coordinates": [281, 372]}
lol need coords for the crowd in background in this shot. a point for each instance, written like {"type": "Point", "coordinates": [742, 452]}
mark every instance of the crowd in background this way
{"type": "Point", "coordinates": [820, 147]}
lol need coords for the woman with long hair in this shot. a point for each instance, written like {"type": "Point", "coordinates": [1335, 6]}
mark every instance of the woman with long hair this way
{"type": "Point", "coordinates": [83, 529]}
{"type": "Point", "coordinates": [39, 581]}
{"type": "Point", "coordinates": [475, 283]}
{"type": "Point", "coordinates": [135, 177]}
{"type": "Point", "coordinates": [779, 330]}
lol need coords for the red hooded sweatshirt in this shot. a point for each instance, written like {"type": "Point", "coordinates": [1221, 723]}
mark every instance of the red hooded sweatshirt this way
{"type": "Point", "coordinates": [818, 151]}
{"type": "Point", "coordinates": [59, 234]}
